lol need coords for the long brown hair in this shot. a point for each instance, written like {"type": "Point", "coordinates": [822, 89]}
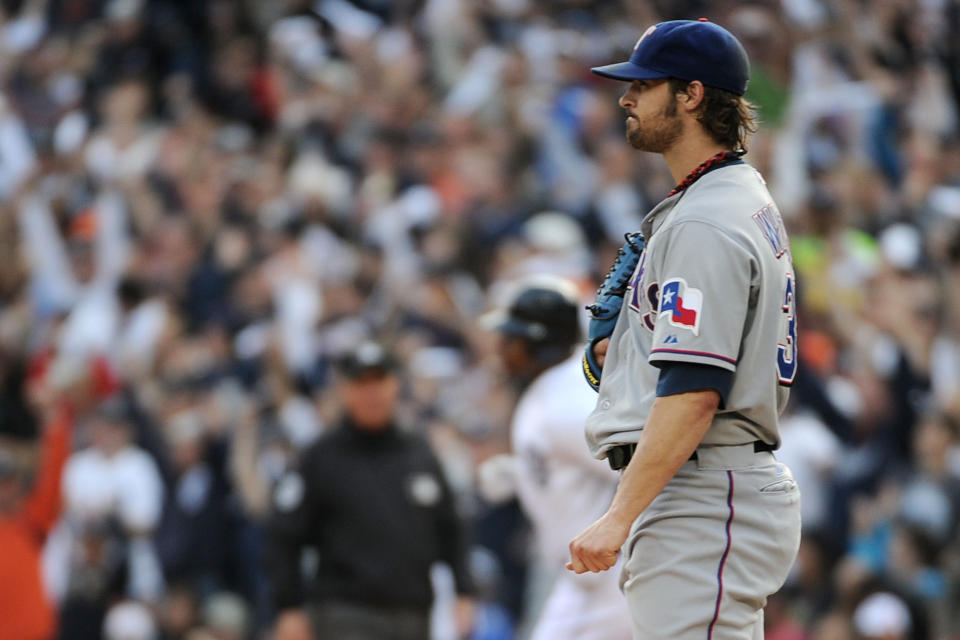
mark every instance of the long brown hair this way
{"type": "Point", "coordinates": [727, 117]}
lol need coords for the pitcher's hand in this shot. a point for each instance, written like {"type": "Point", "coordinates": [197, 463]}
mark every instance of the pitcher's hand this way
{"type": "Point", "coordinates": [597, 548]}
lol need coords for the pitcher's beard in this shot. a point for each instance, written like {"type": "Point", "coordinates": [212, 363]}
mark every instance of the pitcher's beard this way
{"type": "Point", "coordinates": [661, 132]}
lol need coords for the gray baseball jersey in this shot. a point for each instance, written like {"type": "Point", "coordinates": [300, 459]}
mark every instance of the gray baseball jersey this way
{"type": "Point", "coordinates": [714, 286]}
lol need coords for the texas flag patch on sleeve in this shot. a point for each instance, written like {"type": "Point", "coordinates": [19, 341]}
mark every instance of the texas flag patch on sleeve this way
{"type": "Point", "coordinates": [681, 304]}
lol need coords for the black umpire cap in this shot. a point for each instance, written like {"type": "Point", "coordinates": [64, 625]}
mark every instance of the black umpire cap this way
{"type": "Point", "coordinates": [367, 357]}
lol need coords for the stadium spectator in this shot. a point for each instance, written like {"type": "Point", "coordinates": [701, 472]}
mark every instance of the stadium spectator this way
{"type": "Point", "coordinates": [27, 514]}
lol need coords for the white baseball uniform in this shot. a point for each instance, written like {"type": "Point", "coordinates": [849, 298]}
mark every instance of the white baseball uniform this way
{"type": "Point", "coordinates": [562, 489]}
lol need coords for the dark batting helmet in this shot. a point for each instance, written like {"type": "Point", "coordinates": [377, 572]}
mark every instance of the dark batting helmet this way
{"type": "Point", "coordinates": [543, 314]}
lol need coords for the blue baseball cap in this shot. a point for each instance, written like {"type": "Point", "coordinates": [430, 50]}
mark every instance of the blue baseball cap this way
{"type": "Point", "coordinates": [689, 50]}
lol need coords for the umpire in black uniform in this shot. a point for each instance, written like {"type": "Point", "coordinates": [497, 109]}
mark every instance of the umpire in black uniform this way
{"type": "Point", "coordinates": [371, 499]}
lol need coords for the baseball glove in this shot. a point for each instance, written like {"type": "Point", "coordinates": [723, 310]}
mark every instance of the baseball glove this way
{"type": "Point", "coordinates": [606, 308]}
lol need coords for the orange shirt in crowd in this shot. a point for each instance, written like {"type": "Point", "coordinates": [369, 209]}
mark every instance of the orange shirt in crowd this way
{"type": "Point", "coordinates": [25, 611]}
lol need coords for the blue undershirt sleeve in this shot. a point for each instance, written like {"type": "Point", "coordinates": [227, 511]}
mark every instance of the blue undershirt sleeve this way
{"type": "Point", "coordinates": [681, 377]}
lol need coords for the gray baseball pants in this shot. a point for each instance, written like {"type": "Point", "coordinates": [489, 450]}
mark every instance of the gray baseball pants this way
{"type": "Point", "coordinates": [713, 545]}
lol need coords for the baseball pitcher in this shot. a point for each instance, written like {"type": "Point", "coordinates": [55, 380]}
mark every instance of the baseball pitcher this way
{"type": "Point", "coordinates": [693, 358]}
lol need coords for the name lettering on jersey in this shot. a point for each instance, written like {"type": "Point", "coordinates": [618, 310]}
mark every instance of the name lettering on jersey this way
{"type": "Point", "coordinates": [536, 464]}
{"type": "Point", "coordinates": [683, 305]}
{"type": "Point", "coordinates": [771, 225]}
{"type": "Point", "coordinates": [634, 286]}
{"type": "Point", "coordinates": [653, 297]}
{"type": "Point", "coordinates": [635, 295]}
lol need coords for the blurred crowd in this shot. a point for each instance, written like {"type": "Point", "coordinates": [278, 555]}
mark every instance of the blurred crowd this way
{"type": "Point", "coordinates": [204, 202]}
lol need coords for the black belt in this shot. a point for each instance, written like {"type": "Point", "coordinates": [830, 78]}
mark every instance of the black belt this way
{"type": "Point", "coordinates": [619, 457]}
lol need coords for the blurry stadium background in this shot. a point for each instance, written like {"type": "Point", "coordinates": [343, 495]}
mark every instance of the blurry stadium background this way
{"type": "Point", "coordinates": [203, 202]}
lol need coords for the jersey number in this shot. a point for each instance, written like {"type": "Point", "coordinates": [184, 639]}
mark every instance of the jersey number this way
{"type": "Point", "coordinates": [787, 352]}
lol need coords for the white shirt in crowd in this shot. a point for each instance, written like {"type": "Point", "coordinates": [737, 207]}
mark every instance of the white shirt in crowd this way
{"type": "Point", "coordinates": [126, 485]}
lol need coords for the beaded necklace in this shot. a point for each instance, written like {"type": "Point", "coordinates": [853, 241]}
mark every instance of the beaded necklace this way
{"type": "Point", "coordinates": [721, 158]}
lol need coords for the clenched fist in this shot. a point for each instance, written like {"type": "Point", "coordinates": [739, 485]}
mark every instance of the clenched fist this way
{"type": "Point", "coordinates": [597, 548]}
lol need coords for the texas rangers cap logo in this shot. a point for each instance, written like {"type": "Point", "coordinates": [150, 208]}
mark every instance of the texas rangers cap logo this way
{"type": "Point", "coordinates": [645, 34]}
{"type": "Point", "coordinates": [681, 304]}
